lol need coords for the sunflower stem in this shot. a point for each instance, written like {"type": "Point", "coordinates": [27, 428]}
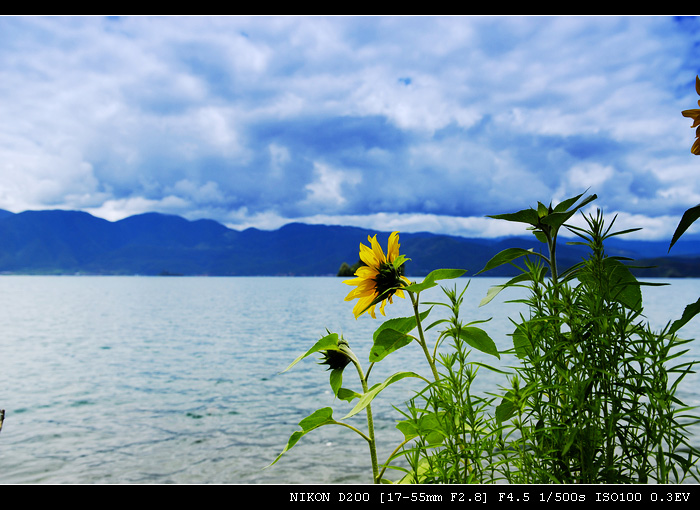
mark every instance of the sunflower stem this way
{"type": "Point", "coordinates": [423, 344]}
{"type": "Point", "coordinates": [370, 421]}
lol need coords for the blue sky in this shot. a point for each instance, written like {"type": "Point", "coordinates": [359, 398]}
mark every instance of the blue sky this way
{"type": "Point", "coordinates": [391, 123]}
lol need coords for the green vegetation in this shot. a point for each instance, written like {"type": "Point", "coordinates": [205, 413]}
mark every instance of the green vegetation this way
{"type": "Point", "coordinates": [347, 270]}
{"type": "Point", "coordinates": [594, 399]}
{"type": "Point", "coordinates": [590, 395]}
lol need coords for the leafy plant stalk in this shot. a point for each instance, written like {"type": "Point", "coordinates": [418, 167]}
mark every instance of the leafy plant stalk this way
{"type": "Point", "coordinates": [421, 336]}
{"type": "Point", "coordinates": [370, 421]}
{"type": "Point", "coordinates": [390, 336]}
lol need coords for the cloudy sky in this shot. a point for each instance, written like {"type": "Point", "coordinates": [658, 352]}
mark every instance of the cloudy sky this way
{"type": "Point", "coordinates": [403, 123]}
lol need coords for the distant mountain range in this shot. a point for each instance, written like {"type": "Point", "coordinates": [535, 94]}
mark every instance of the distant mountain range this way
{"type": "Point", "coordinates": [72, 242]}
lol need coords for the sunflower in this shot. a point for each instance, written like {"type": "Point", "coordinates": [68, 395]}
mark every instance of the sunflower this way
{"type": "Point", "coordinates": [380, 278]}
{"type": "Point", "coordinates": [695, 115]}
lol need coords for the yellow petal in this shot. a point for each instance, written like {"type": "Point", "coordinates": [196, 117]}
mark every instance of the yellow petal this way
{"type": "Point", "coordinates": [368, 256]}
{"type": "Point", "coordinates": [361, 291]}
{"type": "Point", "coordinates": [363, 303]}
{"type": "Point", "coordinates": [366, 272]}
{"type": "Point", "coordinates": [377, 249]}
{"type": "Point", "coordinates": [393, 247]}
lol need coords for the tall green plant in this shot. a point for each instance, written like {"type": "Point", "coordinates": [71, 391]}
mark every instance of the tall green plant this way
{"type": "Point", "coordinates": [594, 400]}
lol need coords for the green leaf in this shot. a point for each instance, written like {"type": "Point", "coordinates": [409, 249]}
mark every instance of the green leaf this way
{"type": "Point", "coordinates": [402, 324]}
{"type": "Point", "coordinates": [506, 409]}
{"type": "Point", "coordinates": [627, 289]}
{"type": "Point", "coordinates": [478, 339]}
{"type": "Point", "coordinates": [392, 335]}
{"type": "Point", "coordinates": [690, 311]}
{"type": "Point", "coordinates": [367, 398]}
{"type": "Point", "coordinates": [388, 341]}
{"type": "Point", "coordinates": [328, 342]}
{"type": "Point", "coordinates": [623, 286]}
{"type": "Point", "coordinates": [400, 261]}
{"type": "Point", "coordinates": [317, 419]}
{"type": "Point", "coordinates": [521, 343]}
{"type": "Point", "coordinates": [556, 218]}
{"type": "Point", "coordinates": [561, 212]}
{"type": "Point", "coordinates": [539, 235]}
{"type": "Point", "coordinates": [496, 289]}
{"type": "Point", "coordinates": [565, 204]}
{"type": "Point", "coordinates": [348, 395]}
{"type": "Point", "coordinates": [408, 429]}
{"type": "Point", "coordinates": [427, 425]}
{"type": "Point", "coordinates": [433, 276]}
{"type": "Point", "coordinates": [687, 219]}
{"type": "Point", "coordinates": [528, 216]}
{"type": "Point", "coordinates": [570, 441]}
{"type": "Point", "coordinates": [336, 380]}
{"type": "Point", "coordinates": [506, 256]}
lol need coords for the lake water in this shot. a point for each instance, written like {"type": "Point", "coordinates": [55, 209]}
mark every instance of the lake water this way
{"type": "Point", "coordinates": [177, 380]}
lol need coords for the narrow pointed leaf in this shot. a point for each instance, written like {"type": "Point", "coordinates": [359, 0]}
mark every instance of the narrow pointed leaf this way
{"type": "Point", "coordinates": [328, 342]}
{"type": "Point", "coordinates": [565, 204]}
{"type": "Point", "coordinates": [317, 419]}
{"type": "Point", "coordinates": [690, 311]}
{"type": "Point", "coordinates": [496, 289]}
{"type": "Point", "coordinates": [367, 398]}
{"type": "Point", "coordinates": [687, 219]}
{"type": "Point", "coordinates": [561, 213]}
{"type": "Point", "coordinates": [506, 256]}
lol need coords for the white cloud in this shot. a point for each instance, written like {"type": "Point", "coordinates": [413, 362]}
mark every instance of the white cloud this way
{"type": "Point", "coordinates": [432, 121]}
{"type": "Point", "coordinates": [480, 227]}
{"type": "Point", "coordinates": [328, 187]}
{"type": "Point", "coordinates": [585, 175]}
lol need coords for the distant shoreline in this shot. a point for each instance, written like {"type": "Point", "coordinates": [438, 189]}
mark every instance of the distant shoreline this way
{"type": "Point", "coordinates": [340, 278]}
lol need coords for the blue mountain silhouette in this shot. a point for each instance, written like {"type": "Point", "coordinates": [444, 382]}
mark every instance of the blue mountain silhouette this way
{"type": "Point", "coordinates": [70, 242]}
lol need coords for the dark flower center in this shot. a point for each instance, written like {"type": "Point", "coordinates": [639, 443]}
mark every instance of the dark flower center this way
{"type": "Point", "coordinates": [387, 279]}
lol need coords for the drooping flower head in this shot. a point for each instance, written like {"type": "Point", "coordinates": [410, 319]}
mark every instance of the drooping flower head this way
{"type": "Point", "coordinates": [695, 115]}
{"type": "Point", "coordinates": [380, 278]}
{"type": "Point", "coordinates": [336, 359]}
